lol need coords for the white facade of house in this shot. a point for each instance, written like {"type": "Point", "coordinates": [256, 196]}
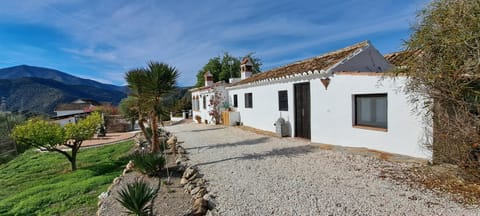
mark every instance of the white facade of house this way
{"type": "Point", "coordinates": [201, 101]}
{"type": "Point", "coordinates": [63, 121]}
{"type": "Point", "coordinates": [347, 103]}
{"type": "Point", "coordinates": [332, 112]}
{"type": "Point", "coordinates": [68, 112]}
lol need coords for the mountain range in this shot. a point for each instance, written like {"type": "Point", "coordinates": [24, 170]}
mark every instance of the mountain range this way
{"type": "Point", "coordinates": [38, 89]}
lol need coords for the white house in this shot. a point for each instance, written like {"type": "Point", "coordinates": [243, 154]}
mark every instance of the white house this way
{"type": "Point", "coordinates": [339, 98]}
{"type": "Point", "coordinates": [76, 107]}
{"type": "Point", "coordinates": [71, 112]}
{"type": "Point", "coordinates": [203, 97]}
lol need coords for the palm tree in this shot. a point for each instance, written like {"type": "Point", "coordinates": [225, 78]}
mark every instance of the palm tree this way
{"type": "Point", "coordinates": [150, 85]}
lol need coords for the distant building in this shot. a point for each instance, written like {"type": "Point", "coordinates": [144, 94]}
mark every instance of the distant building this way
{"type": "Point", "coordinates": [72, 112]}
{"type": "Point", "coordinates": [76, 107]}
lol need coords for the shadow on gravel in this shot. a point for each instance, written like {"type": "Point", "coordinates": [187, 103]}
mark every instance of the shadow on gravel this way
{"type": "Point", "coordinates": [223, 145]}
{"type": "Point", "coordinates": [282, 152]}
{"type": "Point", "coordinates": [208, 129]}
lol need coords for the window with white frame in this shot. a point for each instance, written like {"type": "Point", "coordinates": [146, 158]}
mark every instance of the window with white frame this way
{"type": "Point", "coordinates": [371, 110]}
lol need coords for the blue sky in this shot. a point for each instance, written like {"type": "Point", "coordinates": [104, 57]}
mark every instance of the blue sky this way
{"type": "Point", "coordinates": [101, 40]}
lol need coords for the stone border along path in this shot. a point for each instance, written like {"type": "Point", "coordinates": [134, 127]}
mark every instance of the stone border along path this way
{"type": "Point", "coordinates": [253, 174]}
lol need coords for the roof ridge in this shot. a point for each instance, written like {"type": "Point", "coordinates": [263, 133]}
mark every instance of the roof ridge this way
{"type": "Point", "coordinates": [327, 63]}
{"type": "Point", "coordinates": [354, 46]}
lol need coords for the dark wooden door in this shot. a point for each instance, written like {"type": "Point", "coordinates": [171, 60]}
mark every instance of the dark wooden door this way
{"type": "Point", "coordinates": [302, 110]}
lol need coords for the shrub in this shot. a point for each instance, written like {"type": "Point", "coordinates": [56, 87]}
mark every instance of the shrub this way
{"type": "Point", "coordinates": [148, 163]}
{"type": "Point", "coordinates": [445, 70]}
{"type": "Point", "coordinates": [136, 196]}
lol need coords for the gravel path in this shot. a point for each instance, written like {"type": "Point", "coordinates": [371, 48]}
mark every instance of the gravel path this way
{"type": "Point", "coordinates": [258, 175]}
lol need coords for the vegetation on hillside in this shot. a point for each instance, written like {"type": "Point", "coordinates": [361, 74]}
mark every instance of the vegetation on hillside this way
{"type": "Point", "coordinates": [221, 69]}
{"type": "Point", "coordinates": [8, 148]}
{"type": "Point", "coordinates": [447, 73]}
{"type": "Point", "coordinates": [37, 183]}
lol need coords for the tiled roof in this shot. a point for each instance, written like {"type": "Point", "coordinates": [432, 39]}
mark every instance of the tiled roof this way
{"type": "Point", "coordinates": [72, 106]}
{"type": "Point", "coordinates": [401, 58]}
{"type": "Point", "coordinates": [201, 88]}
{"type": "Point", "coordinates": [322, 62]}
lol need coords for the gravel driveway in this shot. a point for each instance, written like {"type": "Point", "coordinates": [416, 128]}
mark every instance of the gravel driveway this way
{"type": "Point", "coordinates": [259, 175]}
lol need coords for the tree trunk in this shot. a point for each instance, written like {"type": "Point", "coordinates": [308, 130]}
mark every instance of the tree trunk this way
{"type": "Point", "coordinates": [144, 131]}
{"type": "Point", "coordinates": [155, 141]}
{"type": "Point", "coordinates": [73, 160]}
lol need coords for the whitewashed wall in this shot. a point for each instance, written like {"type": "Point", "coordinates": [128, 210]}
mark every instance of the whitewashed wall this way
{"type": "Point", "coordinates": [68, 112]}
{"type": "Point", "coordinates": [201, 111]}
{"type": "Point", "coordinates": [332, 113]}
{"type": "Point", "coordinates": [265, 111]}
{"type": "Point", "coordinates": [209, 93]}
{"type": "Point", "coordinates": [63, 122]}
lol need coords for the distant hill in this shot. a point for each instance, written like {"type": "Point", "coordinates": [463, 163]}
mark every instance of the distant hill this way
{"type": "Point", "coordinates": [42, 95]}
{"type": "Point", "coordinates": [22, 71]}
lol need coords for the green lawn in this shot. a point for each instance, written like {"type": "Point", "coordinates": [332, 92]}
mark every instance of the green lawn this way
{"type": "Point", "coordinates": [42, 183]}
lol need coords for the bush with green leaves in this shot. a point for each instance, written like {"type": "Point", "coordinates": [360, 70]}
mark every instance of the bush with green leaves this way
{"type": "Point", "coordinates": [148, 163]}
{"type": "Point", "coordinates": [446, 70]}
{"type": "Point", "coordinates": [50, 136]}
{"type": "Point", "coordinates": [136, 197]}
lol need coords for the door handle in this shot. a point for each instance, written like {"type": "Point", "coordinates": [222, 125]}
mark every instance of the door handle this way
{"type": "Point", "coordinates": [303, 112]}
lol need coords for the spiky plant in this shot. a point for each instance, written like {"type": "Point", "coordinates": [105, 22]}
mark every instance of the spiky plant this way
{"type": "Point", "coordinates": [136, 196]}
{"type": "Point", "coordinates": [148, 163]}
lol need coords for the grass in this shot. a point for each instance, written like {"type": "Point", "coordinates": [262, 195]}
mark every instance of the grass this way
{"type": "Point", "coordinates": [42, 184]}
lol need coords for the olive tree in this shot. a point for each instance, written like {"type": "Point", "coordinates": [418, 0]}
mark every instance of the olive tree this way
{"type": "Point", "coordinates": [52, 137]}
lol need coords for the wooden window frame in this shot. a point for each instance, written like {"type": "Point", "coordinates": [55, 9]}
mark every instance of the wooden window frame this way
{"type": "Point", "coordinates": [372, 112]}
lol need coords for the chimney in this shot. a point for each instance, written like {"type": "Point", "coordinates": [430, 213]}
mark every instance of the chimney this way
{"type": "Point", "coordinates": [208, 78]}
{"type": "Point", "coordinates": [246, 68]}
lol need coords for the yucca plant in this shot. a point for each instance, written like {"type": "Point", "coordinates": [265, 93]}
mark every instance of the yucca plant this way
{"type": "Point", "coordinates": [136, 196]}
{"type": "Point", "coordinates": [148, 163]}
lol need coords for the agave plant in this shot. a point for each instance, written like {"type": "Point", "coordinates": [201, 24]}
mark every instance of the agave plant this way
{"type": "Point", "coordinates": [136, 196]}
{"type": "Point", "coordinates": [148, 163]}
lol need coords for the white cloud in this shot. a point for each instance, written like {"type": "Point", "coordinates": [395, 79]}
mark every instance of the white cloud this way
{"type": "Point", "coordinates": [114, 36]}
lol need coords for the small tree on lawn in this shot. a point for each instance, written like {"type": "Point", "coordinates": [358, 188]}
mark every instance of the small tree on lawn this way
{"type": "Point", "coordinates": [51, 136]}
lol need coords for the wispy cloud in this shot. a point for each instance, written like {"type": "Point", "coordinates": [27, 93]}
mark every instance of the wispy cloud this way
{"type": "Point", "coordinates": [111, 37]}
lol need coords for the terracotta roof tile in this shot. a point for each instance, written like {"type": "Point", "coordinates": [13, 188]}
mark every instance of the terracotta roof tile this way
{"type": "Point", "coordinates": [201, 88]}
{"type": "Point", "coordinates": [322, 62]}
{"type": "Point", "coordinates": [401, 58]}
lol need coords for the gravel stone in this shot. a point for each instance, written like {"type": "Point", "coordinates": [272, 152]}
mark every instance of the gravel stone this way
{"type": "Point", "coordinates": [253, 174]}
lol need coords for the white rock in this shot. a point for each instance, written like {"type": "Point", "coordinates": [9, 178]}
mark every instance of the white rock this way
{"type": "Point", "coordinates": [103, 195]}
